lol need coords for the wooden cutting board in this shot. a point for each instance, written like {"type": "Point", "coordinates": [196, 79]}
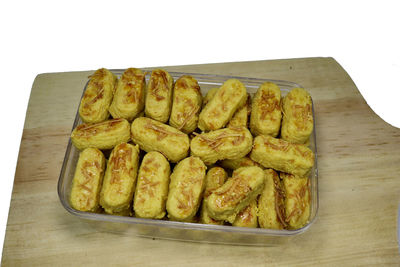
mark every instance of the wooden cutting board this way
{"type": "Point", "coordinates": [359, 185]}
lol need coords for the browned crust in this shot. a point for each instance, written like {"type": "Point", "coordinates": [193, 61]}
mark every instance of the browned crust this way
{"type": "Point", "coordinates": [217, 141]}
{"type": "Point", "coordinates": [87, 130]}
{"type": "Point", "coordinates": [234, 194]}
{"type": "Point", "coordinates": [118, 161]}
{"type": "Point", "coordinates": [268, 103]}
{"type": "Point", "coordinates": [301, 201]}
{"type": "Point", "coordinates": [279, 201]}
{"type": "Point", "coordinates": [160, 131]}
{"type": "Point", "coordinates": [158, 82]}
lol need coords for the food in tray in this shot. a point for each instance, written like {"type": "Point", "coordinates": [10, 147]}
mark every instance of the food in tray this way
{"type": "Point", "coordinates": [297, 199]}
{"type": "Point", "coordinates": [241, 116]}
{"type": "Point", "coordinates": [152, 186]}
{"type": "Point", "coordinates": [186, 104]}
{"type": "Point", "coordinates": [226, 143]}
{"type": "Point", "coordinates": [87, 180]}
{"type": "Point", "coordinates": [102, 135]}
{"type": "Point", "coordinates": [282, 156]}
{"type": "Point", "coordinates": [152, 135]}
{"type": "Point", "coordinates": [215, 178]}
{"type": "Point", "coordinates": [234, 164]}
{"type": "Point", "coordinates": [128, 101]}
{"type": "Point", "coordinates": [97, 97]}
{"type": "Point", "coordinates": [120, 179]}
{"type": "Point", "coordinates": [248, 216]}
{"type": "Point", "coordinates": [209, 95]}
{"type": "Point", "coordinates": [266, 111]}
{"type": "Point", "coordinates": [236, 194]}
{"type": "Point", "coordinates": [159, 95]}
{"type": "Point", "coordinates": [186, 189]}
{"type": "Point", "coordinates": [220, 109]}
{"type": "Point", "coordinates": [252, 197]}
{"type": "Point", "coordinates": [297, 122]}
{"type": "Point", "coordinates": [271, 206]}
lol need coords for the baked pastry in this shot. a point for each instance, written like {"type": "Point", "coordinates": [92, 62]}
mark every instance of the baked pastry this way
{"type": "Point", "coordinates": [282, 156]}
{"type": "Point", "coordinates": [88, 177]}
{"type": "Point", "coordinates": [159, 95]}
{"type": "Point", "coordinates": [215, 178]}
{"type": "Point", "coordinates": [186, 189]}
{"type": "Point", "coordinates": [120, 179]}
{"type": "Point", "coordinates": [97, 96]}
{"type": "Point", "coordinates": [152, 186]}
{"type": "Point", "coordinates": [297, 122]}
{"type": "Point", "coordinates": [297, 200]}
{"type": "Point", "coordinates": [271, 205]}
{"type": "Point", "coordinates": [247, 217]}
{"type": "Point", "coordinates": [241, 116]}
{"type": "Point", "coordinates": [226, 143]}
{"type": "Point", "coordinates": [236, 194]}
{"type": "Point", "coordinates": [266, 113]}
{"type": "Point", "coordinates": [186, 104]}
{"type": "Point", "coordinates": [128, 101]}
{"type": "Point", "coordinates": [102, 135]}
{"type": "Point", "coordinates": [209, 95]}
{"type": "Point", "coordinates": [152, 135]}
{"type": "Point", "coordinates": [219, 110]}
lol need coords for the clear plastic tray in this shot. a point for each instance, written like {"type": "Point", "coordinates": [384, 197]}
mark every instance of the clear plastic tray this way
{"type": "Point", "coordinates": [181, 230]}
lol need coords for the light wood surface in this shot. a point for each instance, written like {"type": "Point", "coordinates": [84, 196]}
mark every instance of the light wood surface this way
{"type": "Point", "coordinates": [359, 185]}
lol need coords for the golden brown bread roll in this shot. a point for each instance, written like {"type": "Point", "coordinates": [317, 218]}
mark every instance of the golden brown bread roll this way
{"type": "Point", "coordinates": [186, 189]}
{"type": "Point", "coordinates": [236, 194]}
{"type": "Point", "coordinates": [297, 122]}
{"type": "Point", "coordinates": [128, 101]}
{"type": "Point", "coordinates": [241, 116]}
{"type": "Point", "coordinates": [159, 95]}
{"type": "Point", "coordinates": [247, 217]}
{"type": "Point", "coordinates": [97, 97]}
{"type": "Point", "coordinates": [297, 201]}
{"type": "Point", "coordinates": [87, 180]}
{"type": "Point", "coordinates": [152, 186]}
{"type": "Point", "coordinates": [120, 179]}
{"type": "Point", "coordinates": [152, 135]}
{"type": "Point", "coordinates": [282, 156]}
{"type": "Point", "coordinates": [220, 109]}
{"type": "Point", "coordinates": [226, 143]}
{"type": "Point", "coordinates": [215, 178]}
{"type": "Point", "coordinates": [186, 104]}
{"type": "Point", "coordinates": [271, 206]}
{"type": "Point", "coordinates": [102, 135]}
{"type": "Point", "coordinates": [266, 113]}
{"type": "Point", "coordinates": [209, 95]}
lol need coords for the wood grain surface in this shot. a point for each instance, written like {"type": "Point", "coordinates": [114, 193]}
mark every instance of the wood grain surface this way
{"type": "Point", "coordinates": [359, 185]}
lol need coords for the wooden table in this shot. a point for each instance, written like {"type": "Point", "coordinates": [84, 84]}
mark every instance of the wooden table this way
{"type": "Point", "coordinates": [359, 185]}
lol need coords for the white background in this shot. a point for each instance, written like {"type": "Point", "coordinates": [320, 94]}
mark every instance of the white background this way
{"type": "Point", "coordinates": [51, 36]}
